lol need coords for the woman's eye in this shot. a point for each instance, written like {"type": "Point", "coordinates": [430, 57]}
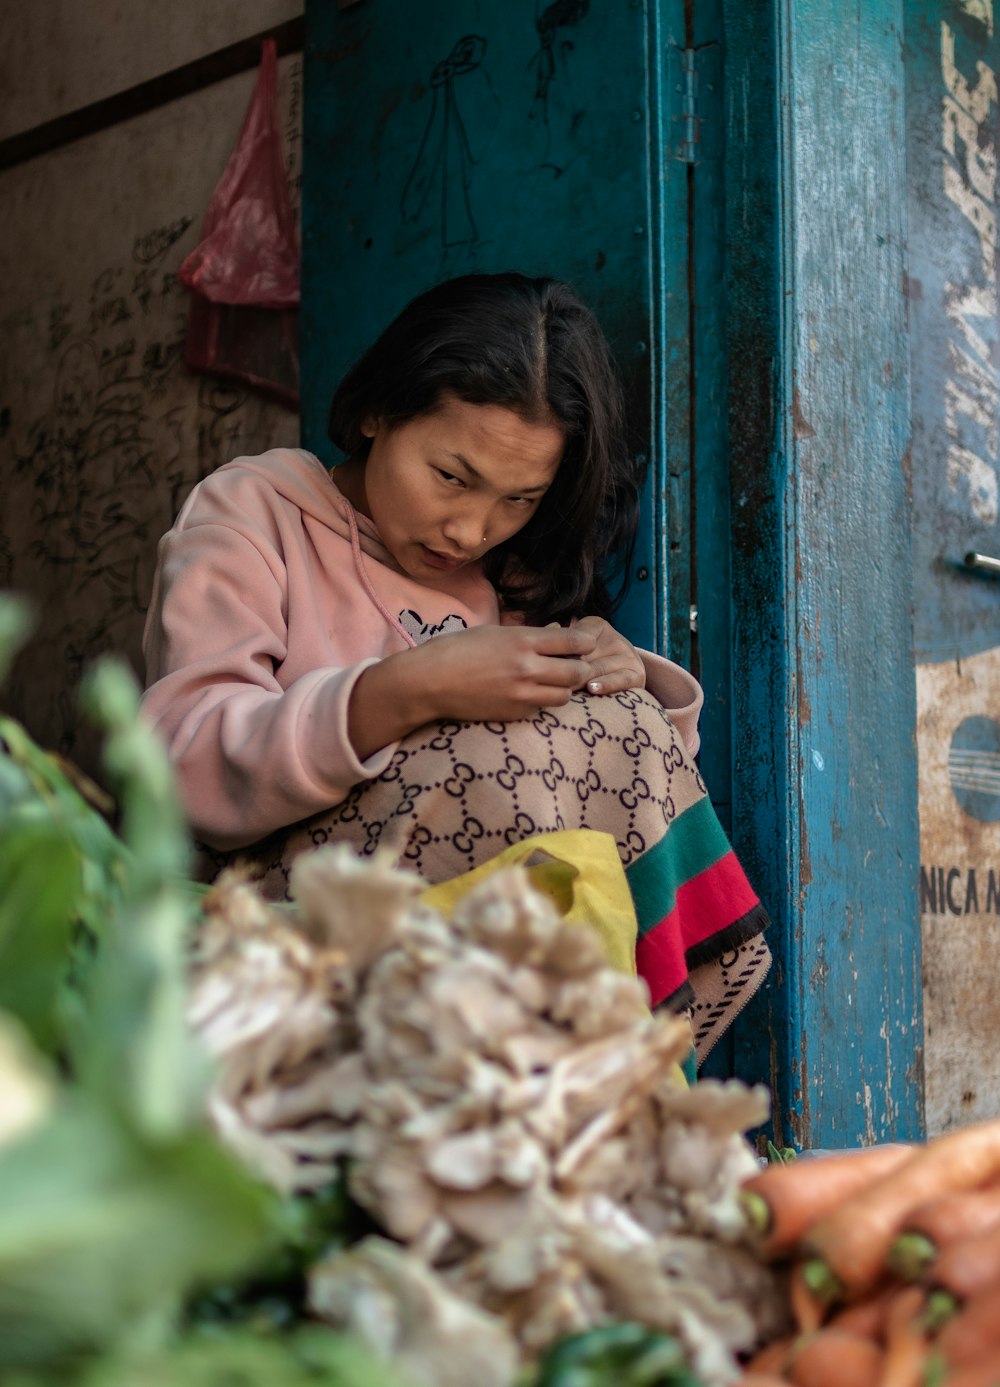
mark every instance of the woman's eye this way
{"type": "Point", "coordinates": [522, 500]}
{"type": "Point", "coordinates": [449, 477]}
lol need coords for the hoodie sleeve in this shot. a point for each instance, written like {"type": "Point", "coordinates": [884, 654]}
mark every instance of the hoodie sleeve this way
{"type": "Point", "coordinates": [679, 692]}
{"type": "Point", "coordinates": [250, 755]}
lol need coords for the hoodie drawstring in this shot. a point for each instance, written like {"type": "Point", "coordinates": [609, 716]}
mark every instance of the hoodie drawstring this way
{"type": "Point", "coordinates": [366, 582]}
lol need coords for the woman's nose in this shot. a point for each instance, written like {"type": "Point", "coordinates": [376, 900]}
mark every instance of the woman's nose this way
{"type": "Point", "coordinates": [467, 530]}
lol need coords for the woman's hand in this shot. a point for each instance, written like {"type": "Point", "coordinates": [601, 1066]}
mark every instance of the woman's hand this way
{"type": "Point", "coordinates": [485, 674]}
{"type": "Point", "coordinates": [614, 663]}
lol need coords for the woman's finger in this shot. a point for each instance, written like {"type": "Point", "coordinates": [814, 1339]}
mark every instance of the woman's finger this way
{"type": "Point", "coordinates": [564, 673]}
{"type": "Point", "coordinates": [553, 697]}
{"type": "Point", "coordinates": [616, 680]}
{"type": "Point", "coordinates": [619, 661]}
{"type": "Point", "coordinates": [613, 666]}
{"type": "Point", "coordinates": [563, 640]}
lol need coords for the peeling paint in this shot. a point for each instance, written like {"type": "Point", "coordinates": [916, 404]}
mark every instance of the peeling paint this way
{"type": "Point", "coordinates": [777, 1122]}
{"type": "Point", "coordinates": [870, 1135]}
{"type": "Point", "coordinates": [805, 861]}
{"type": "Point", "coordinates": [803, 428]}
{"type": "Point", "coordinates": [804, 708]}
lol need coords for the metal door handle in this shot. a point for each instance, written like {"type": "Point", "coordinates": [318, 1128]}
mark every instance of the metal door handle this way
{"type": "Point", "coordinates": [982, 563]}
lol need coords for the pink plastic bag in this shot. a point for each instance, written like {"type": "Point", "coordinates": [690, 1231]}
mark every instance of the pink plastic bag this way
{"type": "Point", "coordinates": [244, 273]}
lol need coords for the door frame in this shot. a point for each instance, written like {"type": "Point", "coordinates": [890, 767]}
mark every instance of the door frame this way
{"type": "Point", "coordinates": [824, 704]}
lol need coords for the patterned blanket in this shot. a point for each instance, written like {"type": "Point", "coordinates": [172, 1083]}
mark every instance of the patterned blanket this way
{"type": "Point", "coordinates": [456, 794]}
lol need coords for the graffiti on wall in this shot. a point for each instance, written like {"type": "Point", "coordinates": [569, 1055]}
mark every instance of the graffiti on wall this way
{"type": "Point", "coordinates": [103, 431]}
{"type": "Point", "coordinates": [98, 465]}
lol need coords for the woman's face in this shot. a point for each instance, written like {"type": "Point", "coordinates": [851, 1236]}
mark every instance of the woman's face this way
{"type": "Point", "coordinates": [444, 488]}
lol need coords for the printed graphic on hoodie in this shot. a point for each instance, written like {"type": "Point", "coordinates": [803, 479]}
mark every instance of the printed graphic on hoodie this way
{"type": "Point", "coordinates": [414, 625]}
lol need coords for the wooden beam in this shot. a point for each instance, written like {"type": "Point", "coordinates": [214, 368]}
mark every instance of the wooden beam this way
{"type": "Point", "coordinates": [147, 96]}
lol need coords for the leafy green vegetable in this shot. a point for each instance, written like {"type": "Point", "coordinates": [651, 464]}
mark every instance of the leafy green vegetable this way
{"type": "Point", "coordinates": [99, 1230]}
{"type": "Point", "coordinates": [39, 785]}
{"type": "Point", "coordinates": [117, 1202]}
{"type": "Point", "coordinates": [40, 882]}
{"type": "Point", "coordinates": [308, 1357]}
{"type": "Point", "coordinates": [142, 1058]}
{"type": "Point", "coordinates": [62, 870]}
{"type": "Point", "coordinates": [616, 1355]}
{"type": "Point", "coordinates": [310, 1227]}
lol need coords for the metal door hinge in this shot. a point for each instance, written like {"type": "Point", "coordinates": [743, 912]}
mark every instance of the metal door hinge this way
{"type": "Point", "coordinates": [695, 80]}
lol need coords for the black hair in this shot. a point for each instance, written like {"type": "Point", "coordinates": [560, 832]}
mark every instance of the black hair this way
{"type": "Point", "coordinates": [532, 346]}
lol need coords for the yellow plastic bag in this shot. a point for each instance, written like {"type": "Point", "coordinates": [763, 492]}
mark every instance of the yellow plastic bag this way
{"type": "Point", "coordinates": [580, 871]}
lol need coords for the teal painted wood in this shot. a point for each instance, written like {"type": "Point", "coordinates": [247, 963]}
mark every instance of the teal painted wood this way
{"type": "Point", "coordinates": [670, 418]}
{"type": "Point", "coordinates": [710, 520]}
{"type": "Point", "coordinates": [765, 1039]}
{"type": "Point", "coordinates": [461, 136]}
{"type": "Point", "coordinates": [710, 453]}
{"type": "Point", "coordinates": [825, 796]}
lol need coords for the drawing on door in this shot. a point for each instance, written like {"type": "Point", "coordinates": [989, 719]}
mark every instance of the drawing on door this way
{"type": "Point", "coordinates": [440, 182]}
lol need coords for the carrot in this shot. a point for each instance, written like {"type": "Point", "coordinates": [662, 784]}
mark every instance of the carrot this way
{"type": "Point", "coordinates": [832, 1358]}
{"type": "Point", "coordinates": [985, 1373]}
{"type": "Point", "coordinates": [783, 1200]}
{"type": "Point", "coordinates": [808, 1311]}
{"type": "Point", "coordinates": [849, 1245]}
{"type": "Point", "coordinates": [967, 1266]}
{"type": "Point", "coordinates": [868, 1316]}
{"type": "Point", "coordinates": [906, 1342]}
{"type": "Point", "coordinates": [772, 1357]}
{"type": "Point", "coordinates": [763, 1380]}
{"type": "Point", "coordinates": [973, 1333]}
{"type": "Point", "coordinates": [942, 1221]}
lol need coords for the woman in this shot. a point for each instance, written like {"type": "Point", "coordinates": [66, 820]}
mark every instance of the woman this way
{"type": "Point", "coordinates": [417, 648]}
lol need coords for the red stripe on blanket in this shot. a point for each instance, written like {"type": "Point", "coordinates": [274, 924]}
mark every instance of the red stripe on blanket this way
{"type": "Point", "coordinates": [706, 905]}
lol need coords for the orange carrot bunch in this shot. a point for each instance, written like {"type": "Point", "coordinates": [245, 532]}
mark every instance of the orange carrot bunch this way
{"type": "Point", "coordinates": [893, 1258]}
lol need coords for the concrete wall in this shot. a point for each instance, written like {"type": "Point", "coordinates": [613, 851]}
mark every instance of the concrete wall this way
{"type": "Point", "coordinates": [103, 431]}
{"type": "Point", "coordinates": [60, 55]}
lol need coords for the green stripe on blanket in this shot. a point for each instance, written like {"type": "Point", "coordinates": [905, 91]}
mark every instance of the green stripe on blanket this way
{"type": "Point", "coordinates": [693, 842]}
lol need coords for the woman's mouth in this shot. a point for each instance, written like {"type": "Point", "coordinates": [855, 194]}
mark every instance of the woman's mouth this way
{"type": "Point", "coordinates": [436, 560]}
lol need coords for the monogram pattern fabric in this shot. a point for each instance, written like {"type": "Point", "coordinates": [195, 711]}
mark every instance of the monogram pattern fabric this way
{"type": "Point", "coordinates": [457, 793]}
{"type": "Point", "coordinates": [722, 988]}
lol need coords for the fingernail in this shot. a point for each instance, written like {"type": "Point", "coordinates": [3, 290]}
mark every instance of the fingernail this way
{"type": "Point", "coordinates": [593, 686]}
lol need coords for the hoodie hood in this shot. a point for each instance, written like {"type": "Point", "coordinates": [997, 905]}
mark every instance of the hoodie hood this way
{"type": "Point", "coordinates": [299, 477]}
{"type": "Point", "coordinates": [306, 486]}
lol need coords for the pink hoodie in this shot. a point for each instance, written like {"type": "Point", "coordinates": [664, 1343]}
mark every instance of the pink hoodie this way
{"type": "Point", "coordinates": [262, 617]}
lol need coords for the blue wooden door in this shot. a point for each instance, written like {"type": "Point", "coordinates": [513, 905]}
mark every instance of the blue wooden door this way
{"type": "Point", "coordinates": [825, 786]}
{"type": "Point", "coordinates": [537, 135]}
